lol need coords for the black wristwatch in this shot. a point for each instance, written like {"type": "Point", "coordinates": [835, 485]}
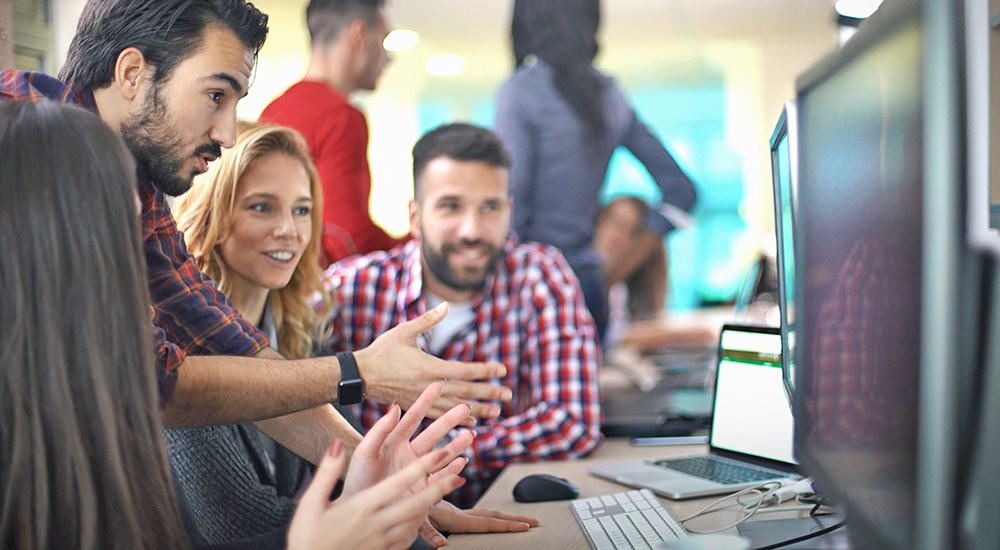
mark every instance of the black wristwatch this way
{"type": "Point", "coordinates": [351, 389]}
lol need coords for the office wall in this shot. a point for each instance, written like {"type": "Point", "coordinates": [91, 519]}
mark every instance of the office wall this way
{"type": "Point", "coordinates": [65, 14]}
{"type": "Point", "coordinates": [6, 34]}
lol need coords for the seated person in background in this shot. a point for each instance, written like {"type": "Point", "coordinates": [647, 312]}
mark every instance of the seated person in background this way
{"type": "Point", "coordinates": [518, 304]}
{"type": "Point", "coordinates": [82, 462]}
{"type": "Point", "coordinates": [636, 264]}
{"type": "Point", "coordinates": [252, 223]}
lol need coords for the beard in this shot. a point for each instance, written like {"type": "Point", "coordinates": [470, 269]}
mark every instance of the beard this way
{"type": "Point", "coordinates": [437, 264]}
{"type": "Point", "coordinates": [159, 155]}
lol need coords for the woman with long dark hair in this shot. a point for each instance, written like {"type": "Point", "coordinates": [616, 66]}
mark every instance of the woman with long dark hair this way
{"type": "Point", "coordinates": [82, 461]}
{"type": "Point", "coordinates": [82, 458]}
{"type": "Point", "coordinates": [562, 119]}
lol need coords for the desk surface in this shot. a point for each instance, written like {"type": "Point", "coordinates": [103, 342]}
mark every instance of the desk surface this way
{"type": "Point", "coordinates": [558, 528]}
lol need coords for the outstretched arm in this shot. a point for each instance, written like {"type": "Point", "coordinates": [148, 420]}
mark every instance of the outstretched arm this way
{"type": "Point", "coordinates": [223, 390]}
{"type": "Point", "coordinates": [678, 191]}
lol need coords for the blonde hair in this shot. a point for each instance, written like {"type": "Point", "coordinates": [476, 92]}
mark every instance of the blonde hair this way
{"type": "Point", "coordinates": [202, 215]}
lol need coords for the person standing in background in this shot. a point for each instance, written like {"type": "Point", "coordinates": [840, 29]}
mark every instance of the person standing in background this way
{"type": "Point", "coordinates": [347, 55]}
{"type": "Point", "coordinates": [562, 119]}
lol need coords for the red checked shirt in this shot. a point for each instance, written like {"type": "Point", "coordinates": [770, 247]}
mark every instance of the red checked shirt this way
{"type": "Point", "coordinates": [530, 316]}
{"type": "Point", "coordinates": [190, 315]}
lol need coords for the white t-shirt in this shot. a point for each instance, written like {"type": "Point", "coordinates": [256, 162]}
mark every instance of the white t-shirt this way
{"type": "Point", "coordinates": [460, 315]}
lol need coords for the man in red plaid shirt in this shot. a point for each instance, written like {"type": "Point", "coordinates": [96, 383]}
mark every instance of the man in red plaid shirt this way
{"type": "Point", "coordinates": [518, 304]}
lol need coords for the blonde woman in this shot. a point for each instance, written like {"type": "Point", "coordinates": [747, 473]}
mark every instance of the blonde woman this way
{"type": "Point", "coordinates": [249, 222]}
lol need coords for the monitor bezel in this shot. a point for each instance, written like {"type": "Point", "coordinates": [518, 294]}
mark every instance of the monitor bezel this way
{"type": "Point", "coordinates": [786, 126]}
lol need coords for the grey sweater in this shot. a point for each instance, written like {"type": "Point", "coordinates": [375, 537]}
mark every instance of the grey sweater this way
{"type": "Point", "coordinates": [228, 481]}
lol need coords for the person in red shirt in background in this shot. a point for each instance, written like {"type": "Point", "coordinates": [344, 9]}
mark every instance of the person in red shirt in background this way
{"type": "Point", "coordinates": [347, 55]}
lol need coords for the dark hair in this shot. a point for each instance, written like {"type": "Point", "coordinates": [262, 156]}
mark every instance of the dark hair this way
{"type": "Point", "coordinates": [82, 458]}
{"type": "Point", "coordinates": [165, 31]}
{"type": "Point", "coordinates": [458, 141]}
{"type": "Point", "coordinates": [326, 18]}
{"type": "Point", "coordinates": [563, 33]}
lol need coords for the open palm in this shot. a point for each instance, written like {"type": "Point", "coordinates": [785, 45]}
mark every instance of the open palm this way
{"type": "Point", "coordinates": [387, 447]}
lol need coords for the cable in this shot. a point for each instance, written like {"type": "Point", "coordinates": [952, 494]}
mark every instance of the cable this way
{"type": "Point", "coordinates": [812, 513]}
{"type": "Point", "coordinates": [764, 497]}
{"type": "Point", "coordinates": [760, 491]}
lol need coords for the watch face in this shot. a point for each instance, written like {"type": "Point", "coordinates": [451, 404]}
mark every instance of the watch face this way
{"type": "Point", "coordinates": [350, 392]}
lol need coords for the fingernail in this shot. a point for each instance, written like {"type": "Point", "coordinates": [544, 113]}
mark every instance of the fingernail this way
{"type": "Point", "coordinates": [336, 448]}
{"type": "Point", "coordinates": [393, 404]}
{"type": "Point", "coordinates": [437, 539]}
{"type": "Point", "coordinates": [470, 407]}
{"type": "Point", "coordinates": [441, 306]}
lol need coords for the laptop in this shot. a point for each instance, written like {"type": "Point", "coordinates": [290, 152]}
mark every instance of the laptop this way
{"type": "Point", "coordinates": [752, 429]}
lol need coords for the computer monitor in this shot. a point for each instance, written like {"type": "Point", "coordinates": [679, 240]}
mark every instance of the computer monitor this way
{"type": "Point", "coordinates": [784, 164]}
{"type": "Point", "coordinates": [882, 264]}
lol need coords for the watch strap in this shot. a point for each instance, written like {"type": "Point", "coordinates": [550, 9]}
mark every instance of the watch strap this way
{"type": "Point", "coordinates": [351, 389]}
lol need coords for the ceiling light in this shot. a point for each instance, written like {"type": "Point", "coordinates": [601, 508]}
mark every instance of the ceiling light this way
{"type": "Point", "coordinates": [445, 64]}
{"type": "Point", "coordinates": [400, 40]}
{"type": "Point", "coordinates": [857, 9]}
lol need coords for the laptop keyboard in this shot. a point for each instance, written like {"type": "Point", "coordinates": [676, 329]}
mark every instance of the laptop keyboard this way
{"type": "Point", "coordinates": [632, 520]}
{"type": "Point", "coordinates": [687, 379]}
{"type": "Point", "coordinates": [720, 471]}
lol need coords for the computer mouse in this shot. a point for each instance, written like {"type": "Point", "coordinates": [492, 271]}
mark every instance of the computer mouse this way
{"type": "Point", "coordinates": [706, 542]}
{"type": "Point", "coordinates": [543, 487]}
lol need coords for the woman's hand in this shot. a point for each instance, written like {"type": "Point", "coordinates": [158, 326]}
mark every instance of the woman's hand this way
{"type": "Point", "coordinates": [385, 516]}
{"type": "Point", "coordinates": [387, 447]}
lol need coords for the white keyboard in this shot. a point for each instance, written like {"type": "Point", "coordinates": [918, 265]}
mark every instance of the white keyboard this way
{"type": "Point", "coordinates": [633, 520]}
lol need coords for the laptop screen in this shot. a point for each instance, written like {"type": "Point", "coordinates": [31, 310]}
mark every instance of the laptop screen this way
{"type": "Point", "coordinates": [751, 413]}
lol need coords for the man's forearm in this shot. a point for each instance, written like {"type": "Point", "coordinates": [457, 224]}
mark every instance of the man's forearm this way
{"type": "Point", "coordinates": [223, 390]}
{"type": "Point", "coordinates": [308, 433]}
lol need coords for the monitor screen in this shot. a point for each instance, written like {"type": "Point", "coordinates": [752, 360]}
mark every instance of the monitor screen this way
{"type": "Point", "coordinates": [860, 232]}
{"type": "Point", "coordinates": [784, 164]}
{"type": "Point", "coordinates": [750, 415]}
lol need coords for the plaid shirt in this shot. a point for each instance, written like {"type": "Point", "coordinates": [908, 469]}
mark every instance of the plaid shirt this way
{"type": "Point", "coordinates": [189, 314]}
{"type": "Point", "coordinates": [530, 317]}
